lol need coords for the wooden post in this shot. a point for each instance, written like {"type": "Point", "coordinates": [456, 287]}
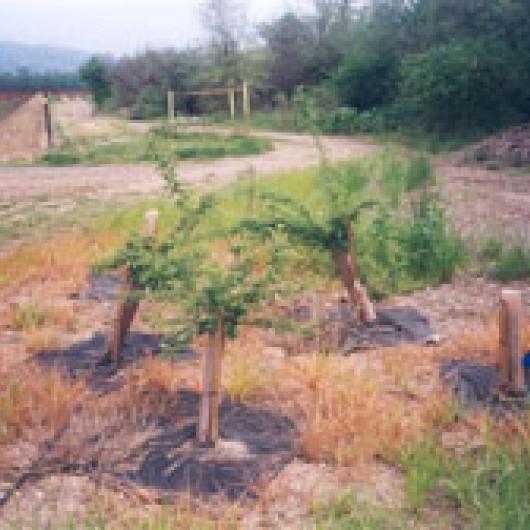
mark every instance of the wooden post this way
{"type": "Point", "coordinates": [232, 102]}
{"type": "Point", "coordinates": [127, 307]}
{"type": "Point", "coordinates": [246, 100]}
{"type": "Point", "coordinates": [151, 223]}
{"type": "Point", "coordinates": [170, 106]}
{"type": "Point", "coordinates": [48, 124]}
{"type": "Point", "coordinates": [510, 350]}
{"type": "Point", "coordinates": [125, 313]}
{"type": "Point", "coordinates": [208, 429]}
{"type": "Point", "coordinates": [367, 310]}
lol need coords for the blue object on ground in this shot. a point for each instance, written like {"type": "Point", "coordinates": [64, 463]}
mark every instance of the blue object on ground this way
{"type": "Point", "coordinates": [526, 360]}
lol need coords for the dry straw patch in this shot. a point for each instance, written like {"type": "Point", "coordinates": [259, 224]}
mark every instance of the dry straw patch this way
{"type": "Point", "coordinates": [65, 258]}
{"type": "Point", "coordinates": [377, 403]}
{"type": "Point", "coordinates": [36, 401]}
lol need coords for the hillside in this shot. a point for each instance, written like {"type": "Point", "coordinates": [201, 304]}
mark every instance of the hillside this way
{"type": "Point", "coordinates": [39, 59]}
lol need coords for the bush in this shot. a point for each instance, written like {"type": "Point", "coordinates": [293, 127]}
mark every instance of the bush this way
{"type": "Point", "coordinates": [151, 103]}
{"type": "Point", "coordinates": [512, 264]}
{"type": "Point", "coordinates": [464, 84]}
{"type": "Point", "coordinates": [60, 158]}
{"type": "Point", "coordinates": [345, 120]}
{"type": "Point", "coordinates": [434, 250]}
{"type": "Point", "coordinates": [365, 81]}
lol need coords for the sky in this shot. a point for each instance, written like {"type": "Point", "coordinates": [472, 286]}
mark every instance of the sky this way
{"type": "Point", "coordinates": [115, 26]}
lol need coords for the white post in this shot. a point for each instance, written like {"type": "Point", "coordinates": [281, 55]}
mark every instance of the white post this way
{"type": "Point", "coordinates": [246, 100]}
{"type": "Point", "coordinates": [151, 222]}
{"type": "Point", "coordinates": [170, 106]}
{"type": "Point", "coordinates": [232, 103]}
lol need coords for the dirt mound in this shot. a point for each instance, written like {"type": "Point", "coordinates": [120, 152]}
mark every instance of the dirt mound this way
{"type": "Point", "coordinates": [23, 131]}
{"type": "Point", "coordinates": [510, 149]}
{"type": "Point", "coordinates": [11, 101]}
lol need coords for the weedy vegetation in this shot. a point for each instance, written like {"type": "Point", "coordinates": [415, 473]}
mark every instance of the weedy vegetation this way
{"type": "Point", "coordinates": [161, 141]}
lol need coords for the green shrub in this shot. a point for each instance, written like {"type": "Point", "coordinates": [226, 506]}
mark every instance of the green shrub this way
{"type": "Point", "coordinates": [367, 80]}
{"type": "Point", "coordinates": [491, 250]}
{"type": "Point", "coordinates": [512, 264]}
{"type": "Point", "coordinates": [347, 512]}
{"type": "Point", "coordinates": [489, 490]}
{"type": "Point", "coordinates": [345, 120]}
{"type": "Point", "coordinates": [464, 84]}
{"type": "Point", "coordinates": [434, 250]}
{"type": "Point", "coordinates": [151, 103]}
{"type": "Point", "coordinates": [61, 158]}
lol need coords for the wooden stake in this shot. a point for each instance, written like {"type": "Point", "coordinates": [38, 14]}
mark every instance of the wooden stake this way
{"type": "Point", "coordinates": [151, 223]}
{"type": "Point", "coordinates": [367, 310]}
{"type": "Point", "coordinates": [232, 103]}
{"type": "Point", "coordinates": [215, 402]}
{"type": "Point", "coordinates": [246, 100]}
{"type": "Point", "coordinates": [208, 429]}
{"type": "Point", "coordinates": [170, 106]}
{"type": "Point", "coordinates": [510, 349]}
{"type": "Point", "coordinates": [48, 124]}
{"type": "Point", "coordinates": [125, 313]}
{"type": "Point", "coordinates": [127, 308]}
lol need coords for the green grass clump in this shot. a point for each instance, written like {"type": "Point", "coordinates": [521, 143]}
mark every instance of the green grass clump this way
{"type": "Point", "coordinates": [150, 147]}
{"type": "Point", "coordinates": [489, 491]}
{"type": "Point", "coordinates": [347, 512]}
{"type": "Point", "coordinates": [512, 264]}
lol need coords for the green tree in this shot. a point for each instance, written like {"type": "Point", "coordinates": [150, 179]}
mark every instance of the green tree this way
{"type": "Point", "coordinates": [464, 84]}
{"type": "Point", "coordinates": [367, 80]}
{"type": "Point", "coordinates": [95, 75]}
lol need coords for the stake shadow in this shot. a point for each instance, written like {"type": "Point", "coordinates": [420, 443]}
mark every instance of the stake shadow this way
{"type": "Point", "coordinates": [89, 359]}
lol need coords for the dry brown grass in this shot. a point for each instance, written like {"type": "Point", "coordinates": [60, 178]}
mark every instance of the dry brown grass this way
{"type": "Point", "coordinates": [245, 374]}
{"type": "Point", "coordinates": [65, 258]}
{"type": "Point", "coordinates": [184, 514]}
{"type": "Point", "coordinates": [151, 388]}
{"type": "Point", "coordinates": [33, 399]}
{"type": "Point", "coordinates": [377, 403]}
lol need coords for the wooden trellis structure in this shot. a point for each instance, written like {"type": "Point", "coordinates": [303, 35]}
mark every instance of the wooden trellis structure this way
{"type": "Point", "coordinates": [229, 92]}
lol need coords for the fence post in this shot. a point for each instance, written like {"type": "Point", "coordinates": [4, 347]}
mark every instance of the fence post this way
{"type": "Point", "coordinates": [232, 102]}
{"type": "Point", "coordinates": [246, 100]}
{"type": "Point", "coordinates": [124, 316]}
{"type": "Point", "coordinates": [510, 349]}
{"type": "Point", "coordinates": [48, 122]}
{"type": "Point", "coordinates": [208, 428]}
{"type": "Point", "coordinates": [128, 307]}
{"type": "Point", "coordinates": [170, 106]}
{"type": "Point", "coordinates": [151, 222]}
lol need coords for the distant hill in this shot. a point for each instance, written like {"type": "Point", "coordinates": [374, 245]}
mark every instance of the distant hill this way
{"type": "Point", "coordinates": [39, 59]}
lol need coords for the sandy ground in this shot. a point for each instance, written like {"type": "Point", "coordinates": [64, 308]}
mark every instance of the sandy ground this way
{"type": "Point", "coordinates": [290, 152]}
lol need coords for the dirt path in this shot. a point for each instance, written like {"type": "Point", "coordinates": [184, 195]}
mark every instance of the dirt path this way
{"type": "Point", "coordinates": [290, 152]}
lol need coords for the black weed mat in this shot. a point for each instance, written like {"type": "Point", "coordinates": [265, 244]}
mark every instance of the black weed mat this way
{"type": "Point", "coordinates": [255, 445]}
{"type": "Point", "coordinates": [159, 455]}
{"type": "Point", "coordinates": [477, 384]}
{"type": "Point", "coordinates": [393, 326]}
{"type": "Point", "coordinates": [101, 287]}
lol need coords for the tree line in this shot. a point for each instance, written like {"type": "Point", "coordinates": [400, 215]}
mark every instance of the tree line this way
{"type": "Point", "coordinates": [25, 80]}
{"type": "Point", "coordinates": [440, 65]}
